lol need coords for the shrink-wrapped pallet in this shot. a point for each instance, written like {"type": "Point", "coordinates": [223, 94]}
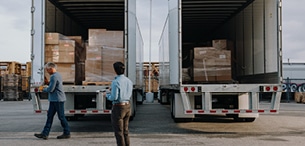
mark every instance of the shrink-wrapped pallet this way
{"type": "Point", "coordinates": [99, 63]}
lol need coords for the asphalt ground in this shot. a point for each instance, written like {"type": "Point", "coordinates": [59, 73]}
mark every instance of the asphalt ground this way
{"type": "Point", "coordinates": [153, 126]}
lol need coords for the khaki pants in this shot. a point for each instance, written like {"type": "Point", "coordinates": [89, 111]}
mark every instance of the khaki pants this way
{"type": "Point", "coordinates": [120, 121]}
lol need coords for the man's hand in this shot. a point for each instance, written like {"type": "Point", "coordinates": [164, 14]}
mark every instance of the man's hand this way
{"type": "Point", "coordinates": [40, 89]}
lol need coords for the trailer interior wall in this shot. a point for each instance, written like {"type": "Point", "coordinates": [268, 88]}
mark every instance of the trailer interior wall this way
{"type": "Point", "coordinates": [255, 31]}
{"type": "Point", "coordinates": [57, 21]}
{"type": "Point", "coordinates": [164, 55]}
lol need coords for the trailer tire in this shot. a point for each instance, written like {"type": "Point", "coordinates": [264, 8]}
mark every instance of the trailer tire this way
{"type": "Point", "coordinates": [244, 119]}
{"type": "Point", "coordinates": [171, 95]}
{"type": "Point", "coordinates": [133, 110]}
{"type": "Point", "coordinates": [167, 101]}
{"type": "Point", "coordinates": [172, 103]}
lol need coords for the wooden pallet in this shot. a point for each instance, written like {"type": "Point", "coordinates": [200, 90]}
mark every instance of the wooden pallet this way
{"type": "Point", "coordinates": [10, 67]}
{"type": "Point", "coordinates": [97, 83]}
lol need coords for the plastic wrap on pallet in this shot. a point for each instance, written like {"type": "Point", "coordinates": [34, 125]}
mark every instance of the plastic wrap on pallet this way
{"type": "Point", "coordinates": [99, 61]}
{"type": "Point", "coordinates": [63, 52]}
{"type": "Point", "coordinates": [52, 38]}
{"type": "Point", "coordinates": [67, 71]}
{"type": "Point", "coordinates": [103, 37]}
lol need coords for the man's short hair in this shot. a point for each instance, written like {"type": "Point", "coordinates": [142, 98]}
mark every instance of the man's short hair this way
{"type": "Point", "coordinates": [50, 65]}
{"type": "Point", "coordinates": [119, 68]}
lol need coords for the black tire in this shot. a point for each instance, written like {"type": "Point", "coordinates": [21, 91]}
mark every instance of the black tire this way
{"type": "Point", "coordinates": [244, 119]}
{"type": "Point", "coordinates": [172, 103]}
{"type": "Point", "coordinates": [249, 119]}
{"type": "Point", "coordinates": [138, 102]}
{"type": "Point", "coordinates": [183, 120]}
{"type": "Point", "coordinates": [133, 109]}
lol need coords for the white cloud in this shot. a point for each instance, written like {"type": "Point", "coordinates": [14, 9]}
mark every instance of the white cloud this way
{"type": "Point", "coordinates": [293, 31]}
{"type": "Point", "coordinates": [15, 30]}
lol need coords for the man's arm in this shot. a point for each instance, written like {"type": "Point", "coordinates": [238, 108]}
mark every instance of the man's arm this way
{"type": "Point", "coordinates": [52, 85]}
{"type": "Point", "coordinates": [113, 94]}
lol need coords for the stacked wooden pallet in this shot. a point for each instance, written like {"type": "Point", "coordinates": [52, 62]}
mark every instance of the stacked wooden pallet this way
{"type": "Point", "coordinates": [299, 97]}
{"type": "Point", "coordinates": [11, 80]}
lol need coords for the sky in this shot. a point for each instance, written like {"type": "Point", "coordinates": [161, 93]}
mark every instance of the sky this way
{"type": "Point", "coordinates": [15, 29]}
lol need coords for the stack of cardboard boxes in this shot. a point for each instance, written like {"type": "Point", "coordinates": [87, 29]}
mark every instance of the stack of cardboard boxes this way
{"type": "Point", "coordinates": [212, 64]}
{"type": "Point", "coordinates": [61, 50]}
{"type": "Point", "coordinates": [105, 48]}
{"type": "Point", "coordinates": [92, 63]}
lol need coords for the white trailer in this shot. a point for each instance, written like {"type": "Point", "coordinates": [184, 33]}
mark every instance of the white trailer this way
{"type": "Point", "coordinates": [254, 26]}
{"type": "Point", "coordinates": [73, 18]}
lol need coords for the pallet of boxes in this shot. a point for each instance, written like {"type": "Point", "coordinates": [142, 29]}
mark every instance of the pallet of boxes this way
{"type": "Point", "coordinates": [212, 64]}
{"type": "Point", "coordinates": [154, 79]}
{"type": "Point", "coordinates": [68, 53]}
{"type": "Point", "coordinates": [11, 81]}
{"type": "Point", "coordinates": [25, 75]}
{"type": "Point", "coordinates": [104, 48]}
{"type": "Point", "coordinates": [85, 63]}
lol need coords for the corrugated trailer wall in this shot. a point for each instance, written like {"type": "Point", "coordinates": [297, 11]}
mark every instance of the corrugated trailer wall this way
{"type": "Point", "coordinates": [254, 31]}
{"type": "Point", "coordinates": [57, 21]}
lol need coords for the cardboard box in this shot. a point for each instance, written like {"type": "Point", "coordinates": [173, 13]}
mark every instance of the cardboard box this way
{"type": "Point", "coordinates": [204, 74]}
{"type": "Point", "coordinates": [103, 37]}
{"type": "Point", "coordinates": [217, 62]}
{"type": "Point", "coordinates": [54, 54]}
{"type": "Point", "coordinates": [66, 70]}
{"type": "Point", "coordinates": [99, 63]}
{"type": "Point", "coordinates": [211, 65]}
{"type": "Point", "coordinates": [77, 39]}
{"type": "Point", "coordinates": [52, 38]}
{"type": "Point", "coordinates": [211, 53]}
{"type": "Point", "coordinates": [222, 44]}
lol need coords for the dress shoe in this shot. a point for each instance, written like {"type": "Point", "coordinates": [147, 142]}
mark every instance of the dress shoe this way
{"type": "Point", "coordinates": [41, 136]}
{"type": "Point", "coordinates": [63, 136]}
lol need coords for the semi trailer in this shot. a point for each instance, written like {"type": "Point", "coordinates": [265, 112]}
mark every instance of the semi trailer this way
{"type": "Point", "coordinates": [68, 18]}
{"type": "Point", "coordinates": [221, 57]}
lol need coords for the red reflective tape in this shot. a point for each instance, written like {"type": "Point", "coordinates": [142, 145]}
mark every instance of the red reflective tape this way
{"type": "Point", "coordinates": [261, 111]}
{"type": "Point", "coordinates": [72, 111]}
{"type": "Point", "coordinates": [236, 111]}
{"type": "Point", "coordinates": [273, 111]}
{"type": "Point", "coordinates": [94, 111]}
{"type": "Point", "coordinates": [224, 111]}
{"type": "Point", "coordinates": [248, 111]}
{"type": "Point", "coordinates": [189, 111]}
{"type": "Point", "coordinates": [212, 111]}
{"type": "Point", "coordinates": [200, 111]}
{"type": "Point", "coordinates": [83, 111]}
{"type": "Point", "coordinates": [38, 111]}
{"type": "Point", "coordinates": [106, 111]}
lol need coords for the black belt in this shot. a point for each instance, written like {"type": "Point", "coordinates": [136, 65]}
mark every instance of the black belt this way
{"type": "Point", "coordinates": [122, 103]}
